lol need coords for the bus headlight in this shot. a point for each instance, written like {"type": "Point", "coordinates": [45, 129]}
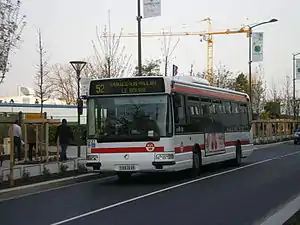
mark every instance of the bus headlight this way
{"type": "Point", "coordinates": [92, 157]}
{"type": "Point", "coordinates": [164, 156]}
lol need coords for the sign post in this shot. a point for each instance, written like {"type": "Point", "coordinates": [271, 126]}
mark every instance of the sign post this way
{"type": "Point", "coordinates": [257, 46]}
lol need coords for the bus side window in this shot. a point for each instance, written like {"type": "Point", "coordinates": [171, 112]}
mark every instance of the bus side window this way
{"type": "Point", "coordinates": [179, 109]}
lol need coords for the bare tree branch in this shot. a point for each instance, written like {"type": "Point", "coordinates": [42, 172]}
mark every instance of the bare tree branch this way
{"type": "Point", "coordinates": [223, 77]}
{"type": "Point", "coordinates": [167, 50]}
{"type": "Point", "coordinates": [42, 80]}
{"type": "Point", "coordinates": [11, 27]}
{"type": "Point", "coordinates": [111, 58]}
{"type": "Point", "coordinates": [288, 100]}
{"type": "Point", "coordinates": [64, 81]}
{"type": "Point", "coordinates": [258, 91]}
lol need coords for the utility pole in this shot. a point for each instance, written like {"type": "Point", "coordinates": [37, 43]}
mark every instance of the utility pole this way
{"type": "Point", "coordinates": [41, 71]}
{"type": "Point", "coordinates": [249, 64]}
{"type": "Point", "coordinates": [166, 66]}
{"type": "Point", "coordinates": [139, 21]}
{"type": "Point", "coordinates": [294, 83]}
{"type": "Point", "coordinates": [191, 71]}
{"type": "Point", "coordinates": [250, 53]}
{"type": "Point", "coordinates": [78, 67]}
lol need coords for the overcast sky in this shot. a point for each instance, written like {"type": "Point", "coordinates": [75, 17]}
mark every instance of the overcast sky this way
{"type": "Point", "coordinates": [69, 26]}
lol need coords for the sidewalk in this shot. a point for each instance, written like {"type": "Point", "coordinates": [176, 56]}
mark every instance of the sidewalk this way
{"type": "Point", "coordinates": [37, 169]}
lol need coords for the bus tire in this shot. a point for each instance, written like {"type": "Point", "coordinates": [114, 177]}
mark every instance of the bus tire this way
{"type": "Point", "coordinates": [237, 161]}
{"type": "Point", "coordinates": [197, 162]}
{"type": "Point", "coordinates": [124, 176]}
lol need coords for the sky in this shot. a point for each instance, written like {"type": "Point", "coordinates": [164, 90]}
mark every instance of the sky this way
{"type": "Point", "coordinates": [69, 26]}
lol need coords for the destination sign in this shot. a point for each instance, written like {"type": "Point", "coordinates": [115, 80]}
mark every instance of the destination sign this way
{"type": "Point", "coordinates": [127, 86]}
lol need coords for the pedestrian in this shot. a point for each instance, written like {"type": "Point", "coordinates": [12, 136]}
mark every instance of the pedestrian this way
{"type": "Point", "coordinates": [31, 140]}
{"type": "Point", "coordinates": [1, 151]}
{"type": "Point", "coordinates": [17, 133]}
{"type": "Point", "coordinates": [63, 137]}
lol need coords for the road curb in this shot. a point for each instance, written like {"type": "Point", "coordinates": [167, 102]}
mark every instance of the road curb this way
{"type": "Point", "coordinates": [284, 213]}
{"type": "Point", "coordinates": [50, 182]}
{"type": "Point", "coordinates": [271, 144]}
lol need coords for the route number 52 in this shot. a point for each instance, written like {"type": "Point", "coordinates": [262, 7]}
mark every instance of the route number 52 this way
{"type": "Point", "coordinates": [100, 89]}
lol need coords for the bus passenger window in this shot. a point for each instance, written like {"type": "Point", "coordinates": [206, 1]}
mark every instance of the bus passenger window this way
{"type": "Point", "coordinates": [179, 109]}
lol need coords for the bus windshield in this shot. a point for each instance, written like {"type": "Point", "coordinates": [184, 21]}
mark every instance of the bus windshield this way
{"type": "Point", "coordinates": [129, 118]}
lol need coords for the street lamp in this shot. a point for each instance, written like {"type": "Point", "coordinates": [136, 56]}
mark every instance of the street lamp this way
{"type": "Point", "coordinates": [78, 67]}
{"type": "Point", "coordinates": [294, 83]}
{"type": "Point", "coordinates": [139, 23]}
{"type": "Point", "coordinates": [250, 52]}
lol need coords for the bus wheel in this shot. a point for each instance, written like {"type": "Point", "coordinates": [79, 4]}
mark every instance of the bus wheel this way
{"type": "Point", "coordinates": [124, 176]}
{"type": "Point", "coordinates": [197, 163]}
{"type": "Point", "coordinates": [237, 161]}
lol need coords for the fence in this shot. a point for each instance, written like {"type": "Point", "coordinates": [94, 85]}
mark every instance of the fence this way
{"type": "Point", "coordinates": [269, 131]}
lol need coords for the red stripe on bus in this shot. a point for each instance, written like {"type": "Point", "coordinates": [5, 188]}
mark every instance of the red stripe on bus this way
{"type": "Point", "coordinates": [209, 93]}
{"type": "Point", "coordinates": [125, 150]}
{"type": "Point", "coordinates": [157, 149]}
{"type": "Point", "coordinates": [202, 147]}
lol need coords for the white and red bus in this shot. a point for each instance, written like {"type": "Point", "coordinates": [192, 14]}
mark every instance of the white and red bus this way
{"type": "Point", "coordinates": [155, 124]}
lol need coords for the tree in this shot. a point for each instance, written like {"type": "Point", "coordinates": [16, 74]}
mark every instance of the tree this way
{"type": "Point", "coordinates": [42, 79]}
{"type": "Point", "coordinates": [151, 68]}
{"type": "Point", "coordinates": [168, 50]}
{"type": "Point", "coordinates": [275, 94]}
{"type": "Point", "coordinates": [288, 100]}
{"type": "Point", "coordinates": [258, 91]}
{"type": "Point", "coordinates": [273, 109]}
{"type": "Point", "coordinates": [241, 83]}
{"type": "Point", "coordinates": [64, 81]}
{"type": "Point", "coordinates": [12, 24]}
{"type": "Point", "coordinates": [223, 77]}
{"type": "Point", "coordinates": [110, 56]}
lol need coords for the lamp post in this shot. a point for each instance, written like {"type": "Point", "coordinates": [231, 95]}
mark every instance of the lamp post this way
{"type": "Point", "coordinates": [139, 23]}
{"type": "Point", "coordinates": [250, 52]}
{"type": "Point", "coordinates": [78, 66]}
{"type": "Point", "coordinates": [294, 83]}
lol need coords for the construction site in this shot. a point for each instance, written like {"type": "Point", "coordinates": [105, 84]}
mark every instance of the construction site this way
{"type": "Point", "coordinates": [207, 36]}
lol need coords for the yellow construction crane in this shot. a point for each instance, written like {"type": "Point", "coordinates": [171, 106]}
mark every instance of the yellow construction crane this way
{"type": "Point", "coordinates": [207, 36]}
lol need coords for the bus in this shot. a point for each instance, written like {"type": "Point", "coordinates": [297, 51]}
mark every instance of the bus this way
{"type": "Point", "coordinates": [161, 124]}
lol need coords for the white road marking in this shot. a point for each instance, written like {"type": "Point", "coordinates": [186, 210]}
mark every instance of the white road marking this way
{"type": "Point", "coordinates": [170, 188]}
{"type": "Point", "coordinates": [284, 214]}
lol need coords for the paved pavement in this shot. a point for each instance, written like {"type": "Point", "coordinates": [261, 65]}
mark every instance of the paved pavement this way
{"type": "Point", "coordinates": [222, 195]}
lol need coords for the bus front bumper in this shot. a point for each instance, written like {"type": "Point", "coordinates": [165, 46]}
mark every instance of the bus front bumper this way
{"type": "Point", "coordinates": [136, 162]}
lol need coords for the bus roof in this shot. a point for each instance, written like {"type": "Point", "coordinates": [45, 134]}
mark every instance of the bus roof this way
{"type": "Point", "coordinates": [193, 84]}
{"type": "Point", "coordinates": [203, 86]}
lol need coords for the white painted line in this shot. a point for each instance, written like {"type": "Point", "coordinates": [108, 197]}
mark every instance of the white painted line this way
{"type": "Point", "coordinates": [282, 215]}
{"type": "Point", "coordinates": [170, 188]}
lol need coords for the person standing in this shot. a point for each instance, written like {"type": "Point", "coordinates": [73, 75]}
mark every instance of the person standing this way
{"type": "Point", "coordinates": [1, 151]}
{"type": "Point", "coordinates": [31, 140]}
{"type": "Point", "coordinates": [17, 133]}
{"type": "Point", "coordinates": [63, 137]}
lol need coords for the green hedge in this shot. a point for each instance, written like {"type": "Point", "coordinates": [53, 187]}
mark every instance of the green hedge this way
{"type": "Point", "coordinates": [78, 131]}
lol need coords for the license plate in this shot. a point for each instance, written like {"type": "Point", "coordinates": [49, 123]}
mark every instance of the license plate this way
{"type": "Point", "coordinates": [126, 167]}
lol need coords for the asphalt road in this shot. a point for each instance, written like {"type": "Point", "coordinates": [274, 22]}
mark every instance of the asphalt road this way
{"type": "Point", "coordinates": [221, 195]}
